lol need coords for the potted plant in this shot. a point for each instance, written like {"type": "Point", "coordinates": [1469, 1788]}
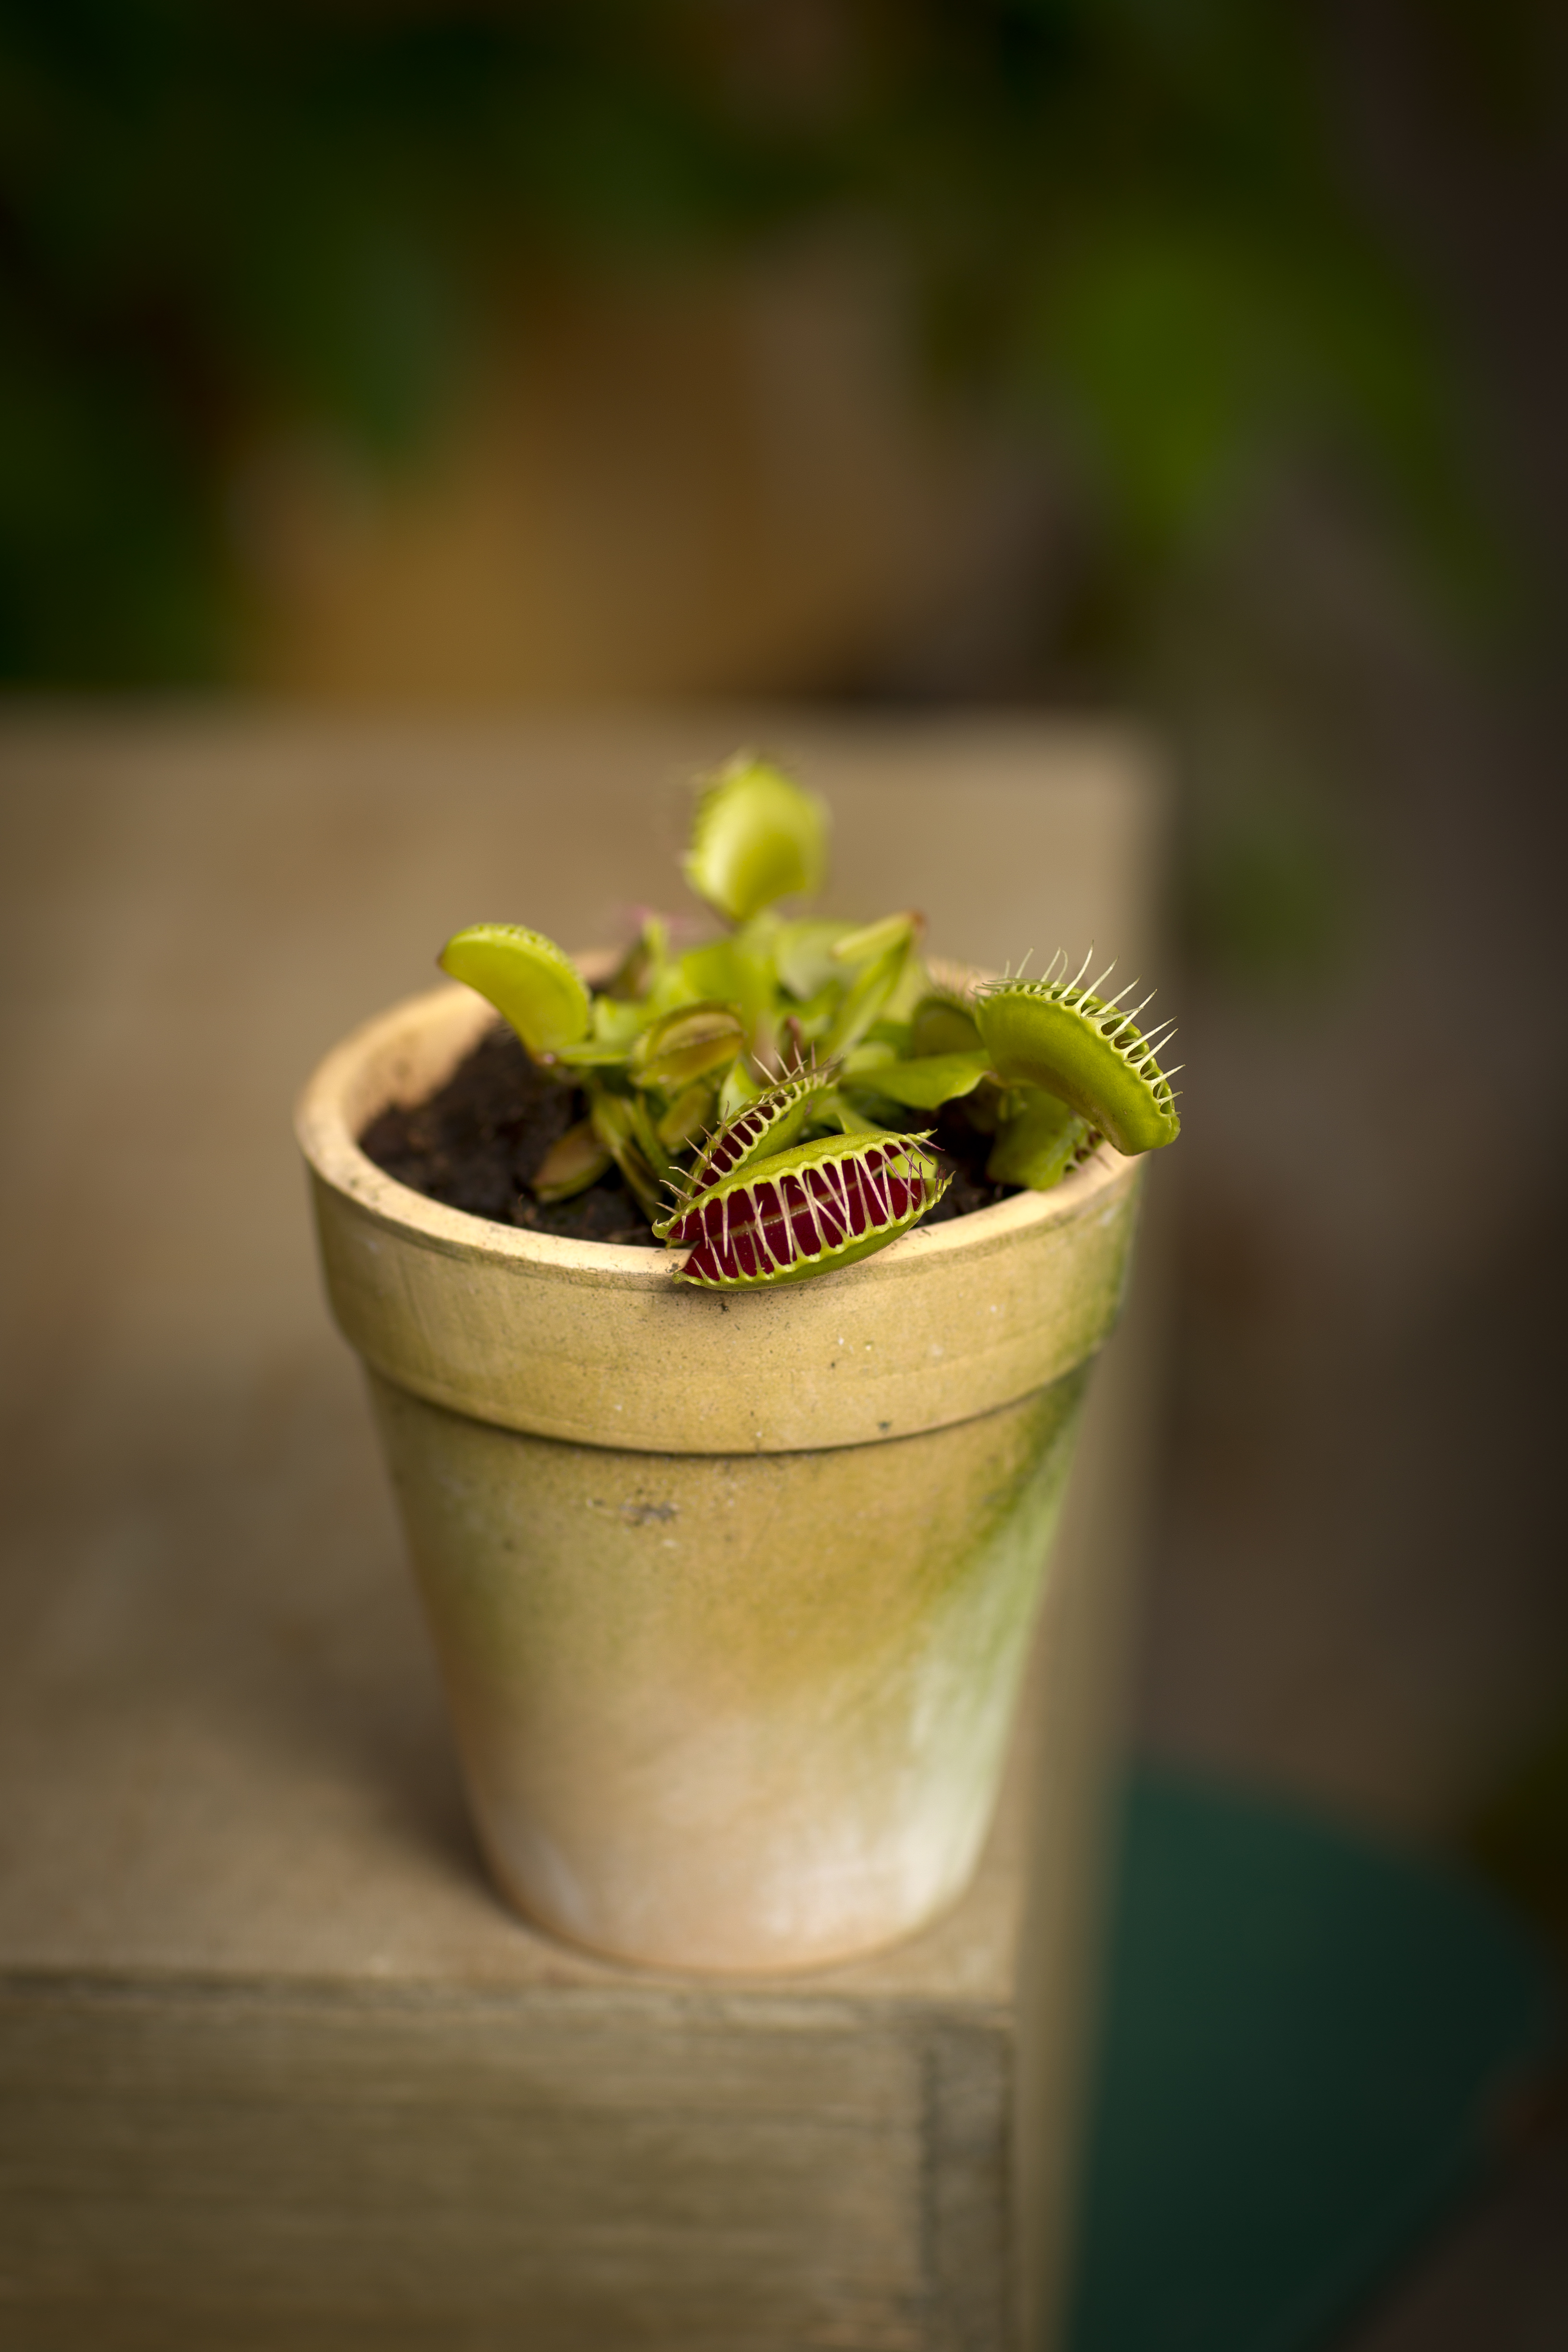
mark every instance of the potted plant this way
{"type": "Point", "coordinates": [730, 1441]}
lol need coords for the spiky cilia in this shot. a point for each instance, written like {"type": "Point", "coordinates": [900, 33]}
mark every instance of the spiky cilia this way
{"type": "Point", "coordinates": [1057, 1034]}
{"type": "Point", "coordinates": [804, 1210]}
{"type": "Point", "coordinates": [762, 1128]}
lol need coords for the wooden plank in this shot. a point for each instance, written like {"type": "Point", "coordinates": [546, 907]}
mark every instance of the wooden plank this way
{"type": "Point", "coordinates": [457, 2157]}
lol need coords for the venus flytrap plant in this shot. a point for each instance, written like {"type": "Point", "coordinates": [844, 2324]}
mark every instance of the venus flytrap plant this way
{"type": "Point", "coordinates": [1057, 1036]}
{"type": "Point", "coordinates": [804, 1210]}
{"type": "Point", "coordinates": [528, 980]}
{"type": "Point", "coordinates": [767, 1125]}
{"type": "Point", "coordinates": [757, 838]}
{"type": "Point", "coordinates": [755, 1092]}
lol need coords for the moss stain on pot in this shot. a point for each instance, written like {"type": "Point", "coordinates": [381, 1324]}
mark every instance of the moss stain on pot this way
{"type": "Point", "coordinates": [769, 1708]}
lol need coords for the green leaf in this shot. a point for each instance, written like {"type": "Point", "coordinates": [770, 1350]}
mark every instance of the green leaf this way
{"type": "Point", "coordinates": [593, 1053]}
{"type": "Point", "coordinates": [574, 1161]}
{"type": "Point", "coordinates": [874, 1054]}
{"type": "Point", "coordinates": [929, 1079]}
{"type": "Point", "coordinates": [528, 980]}
{"type": "Point", "coordinates": [628, 1134]}
{"type": "Point", "coordinates": [876, 938]}
{"type": "Point", "coordinates": [942, 1025]}
{"type": "Point", "coordinates": [1059, 1036]}
{"type": "Point", "coordinates": [687, 1044]}
{"type": "Point", "coordinates": [618, 1025]}
{"type": "Point", "coordinates": [803, 957]}
{"type": "Point", "coordinates": [688, 1118]}
{"type": "Point", "coordinates": [643, 965]}
{"type": "Point", "coordinates": [867, 998]}
{"type": "Point", "coordinates": [757, 838]}
{"type": "Point", "coordinates": [912, 985]}
{"type": "Point", "coordinates": [1038, 1145]}
{"type": "Point", "coordinates": [729, 971]}
{"type": "Point", "coordinates": [835, 1110]}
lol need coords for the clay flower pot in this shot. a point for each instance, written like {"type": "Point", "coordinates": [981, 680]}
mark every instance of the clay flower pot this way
{"type": "Point", "coordinates": [732, 1595]}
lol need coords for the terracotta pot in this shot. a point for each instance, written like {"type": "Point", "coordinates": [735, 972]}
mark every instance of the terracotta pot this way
{"type": "Point", "coordinates": [732, 1595]}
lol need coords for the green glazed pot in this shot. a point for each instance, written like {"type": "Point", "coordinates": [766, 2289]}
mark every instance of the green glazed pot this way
{"type": "Point", "coordinates": [732, 1595]}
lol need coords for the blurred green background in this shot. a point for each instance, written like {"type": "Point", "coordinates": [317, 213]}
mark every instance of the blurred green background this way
{"type": "Point", "coordinates": [1126, 240]}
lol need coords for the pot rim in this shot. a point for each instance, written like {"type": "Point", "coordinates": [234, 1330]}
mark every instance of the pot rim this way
{"type": "Point", "coordinates": [329, 1120]}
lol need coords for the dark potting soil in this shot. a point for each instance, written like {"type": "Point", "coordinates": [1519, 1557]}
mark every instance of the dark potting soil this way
{"type": "Point", "coordinates": [477, 1144]}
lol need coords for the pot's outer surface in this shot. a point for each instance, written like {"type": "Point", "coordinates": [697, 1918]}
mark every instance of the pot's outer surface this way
{"type": "Point", "coordinates": [731, 1596]}
{"type": "Point", "coordinates": [598, 1346]}
{"type": "Point", "coordinates": [731, 1711]}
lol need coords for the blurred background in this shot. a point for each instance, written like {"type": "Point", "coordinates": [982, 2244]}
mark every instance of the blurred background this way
{"type": "Point", "coordinates": [1199, 361]}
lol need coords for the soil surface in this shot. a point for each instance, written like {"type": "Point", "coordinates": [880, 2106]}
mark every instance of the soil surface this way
{"type": "Point", "coordinates": [476, 1144]}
